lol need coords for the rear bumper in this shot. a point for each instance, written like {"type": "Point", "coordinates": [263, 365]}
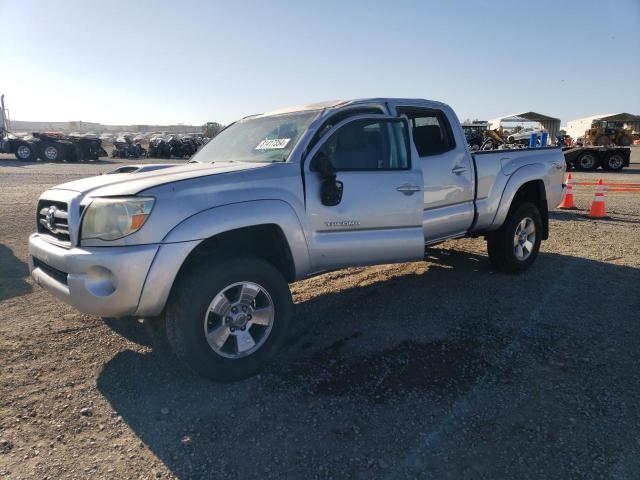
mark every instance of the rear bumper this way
{"type": "Point", "coordinates": [103, 281]}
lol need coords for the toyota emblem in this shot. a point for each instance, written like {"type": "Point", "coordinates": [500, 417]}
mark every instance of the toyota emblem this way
{"type": "Point", "coordinates": [50, 219]}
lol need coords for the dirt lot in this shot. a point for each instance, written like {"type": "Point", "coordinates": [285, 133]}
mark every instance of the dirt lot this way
{"type": "Point", "coordinates": [436, 369]}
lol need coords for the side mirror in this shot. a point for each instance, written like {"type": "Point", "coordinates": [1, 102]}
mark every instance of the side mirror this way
{"type": "Point", "coordinates": [331, 189]}
{"type": "Point", "coordinates": [331, 192]}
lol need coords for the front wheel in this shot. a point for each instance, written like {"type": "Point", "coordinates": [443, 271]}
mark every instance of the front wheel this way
{"type": "Point", "coordinates": [226, 318]}
{"type": "Point", "coordinates": [514, 246]}
{"type": "Point", "coordinates": [587, 161]}
{"type": "Point", "coordinates": [24, 152]}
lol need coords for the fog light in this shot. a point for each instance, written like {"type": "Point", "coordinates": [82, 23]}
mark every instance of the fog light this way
{"type": "Point", "coordinates": [100, 281]}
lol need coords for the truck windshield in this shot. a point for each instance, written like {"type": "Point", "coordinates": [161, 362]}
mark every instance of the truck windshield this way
{"type": "Point", "coordinates": [257, 139]}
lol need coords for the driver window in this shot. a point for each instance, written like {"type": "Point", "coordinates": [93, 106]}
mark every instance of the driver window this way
{"type": "Point", "coordinates": [368, 145]}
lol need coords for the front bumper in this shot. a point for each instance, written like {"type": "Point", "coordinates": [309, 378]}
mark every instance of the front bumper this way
{"type": "Point", "coordinates": [103, 281]}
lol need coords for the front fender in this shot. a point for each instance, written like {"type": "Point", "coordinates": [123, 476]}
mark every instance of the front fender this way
{"type": "Point", "coordinates": [224, 218]}
{"type": "Point", "coordinates": [527, 173]}
{"type": "Point", "coordinates": [187, 235]}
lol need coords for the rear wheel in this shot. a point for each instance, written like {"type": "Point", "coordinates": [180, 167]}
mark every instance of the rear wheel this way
{"type": "Point", "coordinates": [614, 162]}
{"type": "Point", "coordinates": [602, 140]}
{"type": "Point", "coordinates": [587, 161]}
{"type": "Point", "coordinates": [514, 247]}
{"type": "Point", "coordinates": [227, 318]}
{"type": "Point", "coordinates": [24, 153]}
{"type": "Point", "coordinates": [52, 152]}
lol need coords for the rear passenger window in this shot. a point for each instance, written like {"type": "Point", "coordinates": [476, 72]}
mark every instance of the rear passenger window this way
{"type": "Point", "coordinates": [432, 133]}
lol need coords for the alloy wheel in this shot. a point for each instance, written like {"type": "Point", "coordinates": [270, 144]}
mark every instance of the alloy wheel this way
{"type": "Point", "coordinates": [239, 320]}
{"type": "Point", "coordinates": [524, 238]}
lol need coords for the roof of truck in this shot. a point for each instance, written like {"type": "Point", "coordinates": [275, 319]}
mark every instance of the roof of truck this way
{"type": "Point", "coordinates": [309, 106]}
{"type": "Point", "coordinates": [340, 103]}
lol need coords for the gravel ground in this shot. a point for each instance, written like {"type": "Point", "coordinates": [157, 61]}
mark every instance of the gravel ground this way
{"type": "Point", "coordinates": [435, 369]}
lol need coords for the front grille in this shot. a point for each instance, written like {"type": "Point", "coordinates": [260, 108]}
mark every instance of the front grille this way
{"type": "Point", "coordinates": [59, 275]}
{"type": "Point", "coordinates": [53, 220]}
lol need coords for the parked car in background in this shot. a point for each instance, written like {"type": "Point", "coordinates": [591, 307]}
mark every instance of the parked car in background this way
{"type": "Point", "coordinates": [126, 147]}
{"type": "Point", "coordinates": [524, 135]}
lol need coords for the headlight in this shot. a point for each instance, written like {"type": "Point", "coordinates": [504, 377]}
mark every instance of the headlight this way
{"type": "Point", "coordinates": [113, 218]}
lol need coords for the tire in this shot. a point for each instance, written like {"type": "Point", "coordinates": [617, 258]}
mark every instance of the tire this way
{"type": "Point", "coordinates": [24, 152]}
{"type": "Point", "coordinates": [501, 244]}
{"type": "Point", "coordinates": [488, 145]}
{"type": "Point", "coordinates": [52, 152]}
{"type": "Point", "coordinates": [587, 161]}
{"type": "Point", "coordinates": [196, 305]}
{"type": "Point", "coordinates": [602, 140]}
{"type": "Point", "coordinates": [614, 162]}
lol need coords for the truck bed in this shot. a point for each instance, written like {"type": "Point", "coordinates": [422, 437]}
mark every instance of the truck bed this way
{"type": "Point", "coordinates": [494, 169]}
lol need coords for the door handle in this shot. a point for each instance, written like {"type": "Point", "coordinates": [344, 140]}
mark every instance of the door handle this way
{"type": "Point", "coordinates": [408, 189]}
{"type": "Point", "coordinates": [459, 170]}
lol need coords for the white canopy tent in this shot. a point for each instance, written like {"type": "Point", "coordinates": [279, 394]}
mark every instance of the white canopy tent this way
{"type": "Point", "coordinates": [550, 124]}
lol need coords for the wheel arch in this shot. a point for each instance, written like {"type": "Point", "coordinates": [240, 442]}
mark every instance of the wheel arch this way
{"type": "Point", "coordinates": [269, 229]}
{"type": "Point", "coordinates": [525, 185]}
{"type": "Point", "coordinates": [266, 241]}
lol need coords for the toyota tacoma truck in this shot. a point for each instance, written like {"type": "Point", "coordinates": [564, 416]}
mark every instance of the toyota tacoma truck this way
{"type": "Point", "coordinates": [212, 244]}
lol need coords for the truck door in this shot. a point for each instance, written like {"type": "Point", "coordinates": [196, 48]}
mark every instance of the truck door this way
{"type": "Point", "coordinates": [446, 169]}
{"type": "Point", "coordinates": [378, 218]}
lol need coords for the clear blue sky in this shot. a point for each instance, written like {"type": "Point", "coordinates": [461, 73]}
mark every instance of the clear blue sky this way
{"type": "Point", "coordinates": [196, 61]}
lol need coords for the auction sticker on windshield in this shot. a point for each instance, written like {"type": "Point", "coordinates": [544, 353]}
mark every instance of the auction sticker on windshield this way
{"type": "Point", "coordinates": [273, 144]}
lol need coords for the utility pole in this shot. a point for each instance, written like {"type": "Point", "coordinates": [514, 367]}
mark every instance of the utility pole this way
{"type": "Point", "coordinates": [3, 120]}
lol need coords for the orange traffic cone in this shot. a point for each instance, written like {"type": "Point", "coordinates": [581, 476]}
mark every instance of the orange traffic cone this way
{"type": "Point", "coordinates": [597, 205]}
{"type": "Point", "coordinates": [567, 201]}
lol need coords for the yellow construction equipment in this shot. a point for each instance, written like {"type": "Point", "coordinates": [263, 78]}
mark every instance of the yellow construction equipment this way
{"type": "Point", "coordinates": [608, 133]}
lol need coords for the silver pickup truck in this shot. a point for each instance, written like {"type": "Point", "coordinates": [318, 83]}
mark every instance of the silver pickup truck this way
{"type": "Point", "coordinates": [278, 197]}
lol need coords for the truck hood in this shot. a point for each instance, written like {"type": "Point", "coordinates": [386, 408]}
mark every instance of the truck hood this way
{"type": "Point", "coordinates": [132, 179]}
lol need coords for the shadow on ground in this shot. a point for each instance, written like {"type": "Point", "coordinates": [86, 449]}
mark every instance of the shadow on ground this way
{"type": "Point", "coordinates": [12, 275]}
{"type": "Point", "coordinates": [582, 216]}
{"type": "Point", "coordinates": [452, 368]}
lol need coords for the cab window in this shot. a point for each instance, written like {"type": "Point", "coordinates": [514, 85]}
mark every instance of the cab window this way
{"type": "Point", "coordinates": [432, 134]}
{"type": "Point", "coordinates": [368, 145]}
